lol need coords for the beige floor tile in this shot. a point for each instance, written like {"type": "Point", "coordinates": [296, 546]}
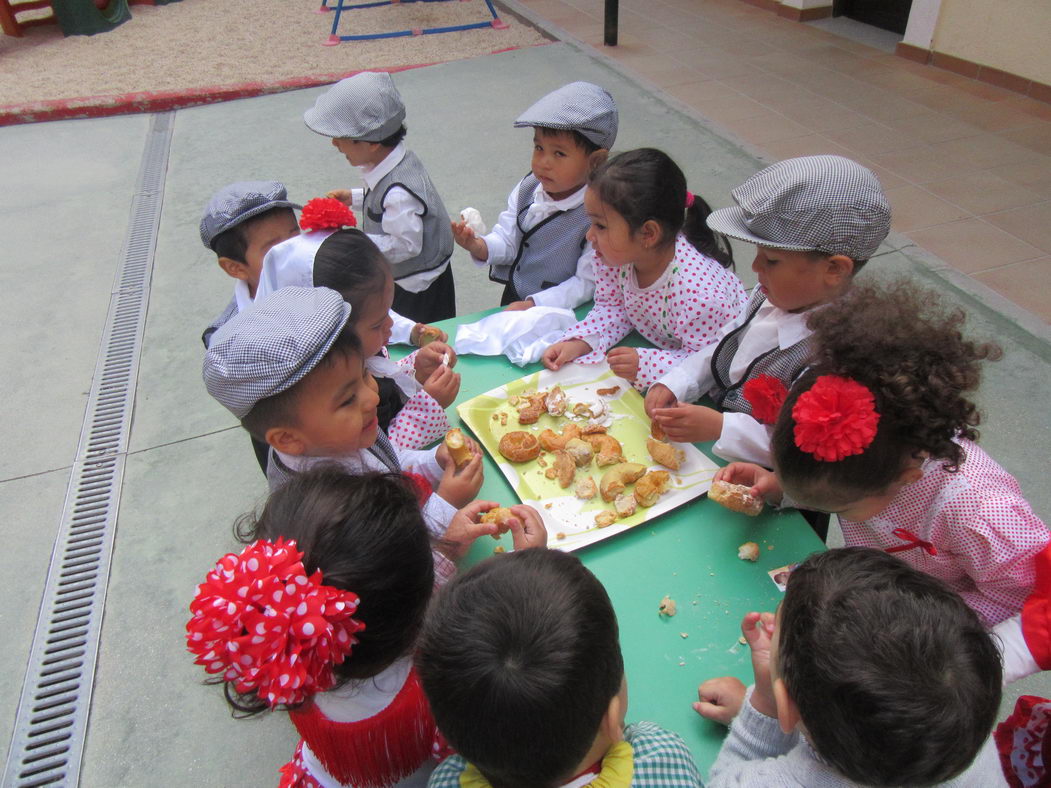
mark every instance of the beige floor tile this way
{"type": "Point", "coordinates": [972, 245]}
{"type": "Point", "coordinates": [981, 152]}
{"type": "Point", "coordinates": [807, 145]}
{"type": "Point", "coordinates": [888, 180]}
{"type": "Point", "coordinates": [1031, 223]}
{"type": "Point", "coordinates": [819, 114]}
{"type": "Point", "coordinates": [769, 127]}
{"type": "Point", "coordinates": [762, 87]}
{"type": "Point", "coordinates": [731, 107]}
{"type": "Point", "coordinates": [870, 138]}
{"type": "Point", "coordinates": [663, 71]}
{"type": "Point", "coordinates": [1035, 175]}
{"type": "Point", "coordinates": [882, 105]}
{"type": "Point", "coordinates": [933, 127]}
{"type": "Point", "coordinates": [917, 165]}
{"type": "Point", "coordinates": [913, 208]}
{"type": "Point", "coordinates": [1038, 109]}
{"type": "Point", "coordinates": [989, 115]}
{"type": "Point", "coordinates": [1027, 284]}
{"type": "Point", "coordinates": [696, 92]}
{"type": "Point", "coordinates": [1036, 138]}
{"type": "Point", "coordinates": [983, 192]}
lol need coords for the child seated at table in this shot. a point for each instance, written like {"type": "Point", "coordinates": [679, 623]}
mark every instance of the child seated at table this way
{"type": "Point", "coordinates": [872, 673]}
{"type": "Point", "coordinates": [521, 662]}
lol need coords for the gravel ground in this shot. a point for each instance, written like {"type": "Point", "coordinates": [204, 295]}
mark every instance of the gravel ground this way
{"type": "Point", "coordinates": [196, 44]}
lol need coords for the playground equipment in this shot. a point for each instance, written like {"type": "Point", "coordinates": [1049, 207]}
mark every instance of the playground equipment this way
{"type": "Point", "coordinates": [74, 17]}
{"type": "Point", "coordinates": [339, 8]}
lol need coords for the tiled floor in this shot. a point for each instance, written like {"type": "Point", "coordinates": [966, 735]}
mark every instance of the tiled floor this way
{"type": "Point", "coordinates": [967, 166]}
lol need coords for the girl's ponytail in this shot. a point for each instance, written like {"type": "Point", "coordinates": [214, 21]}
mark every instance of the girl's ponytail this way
{"type": "Point", "coordinates": [705, 240]}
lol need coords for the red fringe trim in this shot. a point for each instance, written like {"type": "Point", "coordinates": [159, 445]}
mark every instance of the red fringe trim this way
{"type": "Point", "coordinates": [378, 751]}
{"type": "Point", "coordinates": [1036, 612]}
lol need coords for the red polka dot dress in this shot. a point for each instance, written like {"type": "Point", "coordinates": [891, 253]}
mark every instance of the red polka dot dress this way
{"type": "Point", "coordinates": [973, 529]}
{"type": "Point", "coordinates": [680, 313]}
{"type": "Point", "coordinates": [421, 420]}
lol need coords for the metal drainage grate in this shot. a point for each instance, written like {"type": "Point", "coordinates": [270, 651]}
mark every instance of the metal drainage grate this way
{"type": "Point", "coordinates": [51, 724]}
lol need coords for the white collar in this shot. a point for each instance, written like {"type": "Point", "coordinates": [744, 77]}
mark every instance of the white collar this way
{"type": "Point", "coordinates": [373, 175]}
{"type": "Point", "coordinates": [241, 295]}
{"type": "Point", "coordinates": [541, 197]}
{"type": "Point", "coordinates": [791, 326]}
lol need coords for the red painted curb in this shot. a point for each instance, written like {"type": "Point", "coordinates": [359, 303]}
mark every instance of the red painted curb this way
{"type": "Point", "coordinates": [160, 101]}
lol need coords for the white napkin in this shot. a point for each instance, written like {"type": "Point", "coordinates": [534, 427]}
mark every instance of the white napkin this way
{"type": "Point", "coordinates": [522, 336]}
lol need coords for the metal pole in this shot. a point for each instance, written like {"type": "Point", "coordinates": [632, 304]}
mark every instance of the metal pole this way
{"type": "Point", "coordinates": [609, 37]}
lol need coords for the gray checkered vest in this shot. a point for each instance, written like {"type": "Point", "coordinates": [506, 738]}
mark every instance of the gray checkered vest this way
{"type": "Point", "coordinates": [785, 365]}
{"type": "Point", "coordinates": [277, 473]}
{"type": "Point", "coordinates": [547, 253]}
{"type": "Point", "coordinates": [410, 175]}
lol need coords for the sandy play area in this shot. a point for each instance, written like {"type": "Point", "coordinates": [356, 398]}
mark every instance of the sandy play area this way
{"type": "Point", "coordinates": [237, 42]}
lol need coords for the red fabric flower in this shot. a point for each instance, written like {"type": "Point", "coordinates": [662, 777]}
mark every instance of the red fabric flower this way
{"type": "Point", "coordinates": [837, 418]}
{"type": "Point", "coordinates": [326, 213]}
{"type": "Point", "coordinates": [766, 394]}
{"type": "Point", "coordinates": [266, 626]}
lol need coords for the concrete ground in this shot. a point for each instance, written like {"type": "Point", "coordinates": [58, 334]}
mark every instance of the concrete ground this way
{"type": "Point", "coordinates": [190, 470]}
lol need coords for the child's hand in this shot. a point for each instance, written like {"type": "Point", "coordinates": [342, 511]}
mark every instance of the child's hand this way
{"type": "Point", "coordinates": [430, 357]}
{"type": "Point", "coordinates": [345, 196]}
{"type": "Point", "coordinates": [758, 630]}
{"type": "Point", "coordinates": [719, 700]}
{"type": "Point", "coordinates": [624, 361]}
{"type": "Point", "coordinates": [659, 396]}
{"type": "Point", "coordinates": [464, 528]}
{"type": "Point", "coordinates": [443, 385]}
{"type": "Point", "coordinates": [561, 353]}
{"type": "Point", "coordinates": [527, 529]}
{"type": "Point", "coordinates": [414, 335]}
{"type": "Point", "coordinates": [763, 483]}
{"type": "Point", "coordinates": [465, 237]}
{"type": "Point", "coordinates": [460, 487]}
{"type": "Point", "coordinates": [689, 423]}
{"type": "Point", "coordinates": [441, 454]}
{"type": "Point", "coordinates": [519, 306]}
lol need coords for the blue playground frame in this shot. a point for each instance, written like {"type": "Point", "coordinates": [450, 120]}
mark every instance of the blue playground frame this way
{"type": "Point", "coordinates": [339, 8]}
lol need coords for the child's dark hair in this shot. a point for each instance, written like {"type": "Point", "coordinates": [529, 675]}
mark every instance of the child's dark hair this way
{"type": "Point", "coordinates": [906, 345]}
{"type": "Point", "coordinates": [349, 262]}
{"type": "Point", "coordinates": [581, 141]}
{"type": "Point", "coordinates": [367, 535]}
{"type": "Point", "coordinates": [646, 184]}
{"type": "Point", "coordinates": [233, 243]}
{"type": "Point", "coordinates": [281, 409]}
{"type": "Point", "coordinates": [520, 659]}
{"type": "Point", "coordinates": [395, 138]}
{"type": "Point", "coordinates": [896, 680]}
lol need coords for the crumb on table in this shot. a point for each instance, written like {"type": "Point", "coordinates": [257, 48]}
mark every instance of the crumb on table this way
{"type": "Point", "coordinates": [667, 607]}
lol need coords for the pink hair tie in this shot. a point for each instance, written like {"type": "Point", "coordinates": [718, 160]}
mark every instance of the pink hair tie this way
{"type": "Point", "coordinates": [689, 199]}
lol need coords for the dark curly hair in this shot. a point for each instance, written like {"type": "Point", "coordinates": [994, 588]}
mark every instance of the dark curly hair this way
{"type": "Point", "coordinates": [906, 344]}
{"type": "Point", "coordinates": [367, 535]}
{"type": "Point", "coordinates": [644, 184]}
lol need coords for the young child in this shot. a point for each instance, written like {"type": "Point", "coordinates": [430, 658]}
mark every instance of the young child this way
{"type": "Point", "coordinates": [319, 615]}
{"type": "Point", "coordinates": [538, 249]}
{"type": "Point", "coordinates": [660, 270]}
{"type": "Point", "coordinates": [241, 223]}
{"type": "Point", "coordinates": [871, 674]}
{"type": "Point", "coordinates": [880, 430]}
{"type": "Point", "coordinates": [402, 211]}
{"type": "Point", "coordinates": [293, 371]}
{"type": "Point", "coordinates": [521, 662]}
{"type": "Point", "coordinates": [815, 221]}
{"type": "Point", "coordinates": [415, 391]}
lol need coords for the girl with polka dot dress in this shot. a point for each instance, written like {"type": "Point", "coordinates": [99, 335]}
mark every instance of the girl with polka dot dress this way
{"type": "Point", "coordinates": [659, 270]}
{"type": "Point", "coordinates": [880, 430]}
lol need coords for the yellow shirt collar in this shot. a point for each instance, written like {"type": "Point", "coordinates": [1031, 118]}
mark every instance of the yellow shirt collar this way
{"type": "Point", "coordinates": [618, 767]}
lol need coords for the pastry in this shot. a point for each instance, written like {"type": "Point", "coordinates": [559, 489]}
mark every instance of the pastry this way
{"type": "Point", "coordinates": [519, 446]}
{"type": "Point", "coordinates": [428, 334]}
{"type": "Point", "coordinates": [500, 515]}
{"type": "Point", "coordinates": [749, 551]}
{"type": "Point", "coordinates": [458, 448]}
{"type": "Point", "coordinates": [556, 401]}
{"type": "Point", "coordinates": [552, 441]}
{"type": "Point", "coordinates": [625, 504]}
{"type": "Point", "coordinates": [580, 451]}
{"type": "Point", "coordinates": [605, 518]}
{"type": "Point", "coordinates": [736, 497]}
{"type": "Point", "coordinates": [618, 477]}
{"type": "Point", "coordinates": [586, 489]}
{"type": "Point", "coordinates": [656, 431]}
{"type": "Point", "coordinates": [665, 454]}
{"type": "Point", "coordinates": [565, 468]}
{"type": "Point", "coordinates": [607, 449]}
{"type": "Point", "coordinates": [650, 487]}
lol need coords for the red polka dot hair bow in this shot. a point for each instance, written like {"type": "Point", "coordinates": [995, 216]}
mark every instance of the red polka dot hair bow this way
{"type": "Point", "coordinates": [326, 213]}
{"type": "Point", "coordinates": [264, 624]}
{"type": "Point", "coordinates": [766, 394]}
{"type": "Point", "coordinates": [836, 418]}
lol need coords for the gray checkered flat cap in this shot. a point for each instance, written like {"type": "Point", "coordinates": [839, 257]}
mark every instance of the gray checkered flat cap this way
{"type": "Point", "coordinates": [365, 106]}
{"type": "Point", "coordinates": [273, 345]}
{"type": "Point", "coordinates": [239, 202]}
{"type": "Point", "coordinates": [578, 106]}
{"type": "Point", "coordinates": [826, 204]}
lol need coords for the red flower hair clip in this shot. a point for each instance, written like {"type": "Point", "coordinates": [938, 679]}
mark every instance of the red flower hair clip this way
{"type": "Point", "coordinates": [266, 626]}
{"type": "Point", "coordinates": [836, 418]}
{"type": "Point", "coordinates": [326, 213]}
{"type": "Point", "coordinates": [766, 394]}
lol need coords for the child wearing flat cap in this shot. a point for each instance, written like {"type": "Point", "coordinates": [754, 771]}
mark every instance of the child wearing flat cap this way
{"type": "Point", "coordinates": [293, 372]}
{"type": "Point", "coordinates": [537, 248]}
{"type": "Point", "coordinates": [402, 212]}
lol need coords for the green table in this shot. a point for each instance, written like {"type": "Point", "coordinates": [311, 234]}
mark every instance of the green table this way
{"type": "Point", "coordinates": [690, 554]}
